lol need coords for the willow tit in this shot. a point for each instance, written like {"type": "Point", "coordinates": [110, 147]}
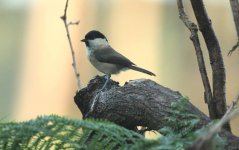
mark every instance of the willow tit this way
{"type": "Point", "coordinates": [104, 58]}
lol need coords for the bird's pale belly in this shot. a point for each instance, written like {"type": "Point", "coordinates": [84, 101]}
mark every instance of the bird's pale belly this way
{"type": "Point", "coordinates": [106, 68]}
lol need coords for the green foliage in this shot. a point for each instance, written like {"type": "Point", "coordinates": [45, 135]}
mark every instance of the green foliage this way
{"type": "Point", "coordinates": [180, 131]}
{"type": "Point", "coordinates": [180, 120]}
{"type": "Point", "coordinates": [218, 143]}
{"type": "Point", "coordinates": [53, 132]}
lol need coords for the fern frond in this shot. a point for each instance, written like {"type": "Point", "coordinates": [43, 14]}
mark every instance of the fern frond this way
{"type": "Point", "coordinates": [53, 132]}
{"type": "Point", "coordinates": [180, 130]}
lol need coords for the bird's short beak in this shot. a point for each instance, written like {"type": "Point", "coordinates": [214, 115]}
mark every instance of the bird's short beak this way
{"type": "Point", "coordinates": [83, 40]}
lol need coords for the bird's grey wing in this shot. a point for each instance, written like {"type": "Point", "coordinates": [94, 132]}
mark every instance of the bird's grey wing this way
{"type": "Point", "coordinates": [109, 55]}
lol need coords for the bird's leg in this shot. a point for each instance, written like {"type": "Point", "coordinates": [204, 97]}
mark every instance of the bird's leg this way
{"type": "Point", "coordinates": [97, 95]}
{"type": "Point", "coordinates": [107, 80]}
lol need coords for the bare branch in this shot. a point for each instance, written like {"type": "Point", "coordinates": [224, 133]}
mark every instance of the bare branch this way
{"type": "Point", "coordinates": [201, 64]}
{"type": "Point", "coordinates": [216, 59]}
{"type": "Point", "coordinates": [64, 19]}
{"type": "Point", "coordinates": [235, 12]}
{"type": "Point", "coordinates": [233, 48]}
{"type": "Point", "coordinates": [73, 23]}
{"type": "Point", "coordinates": [204, 141]}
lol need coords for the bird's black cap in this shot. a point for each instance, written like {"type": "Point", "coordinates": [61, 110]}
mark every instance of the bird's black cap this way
{"type": "Point", "coordinates": [93, 35]}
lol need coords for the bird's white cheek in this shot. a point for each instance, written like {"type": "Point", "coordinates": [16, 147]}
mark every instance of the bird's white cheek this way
{"type": "Point", "coordinates": [88, 51]}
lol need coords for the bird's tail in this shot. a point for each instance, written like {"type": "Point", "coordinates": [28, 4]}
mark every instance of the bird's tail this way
{"type": "Point", "coordinates": [142, 70]}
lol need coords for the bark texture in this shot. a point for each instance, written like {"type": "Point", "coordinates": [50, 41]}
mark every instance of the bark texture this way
{"type": "Point", "coordinates": [218, 103]}
{"type": "Point", "coordinates": [139, 102]}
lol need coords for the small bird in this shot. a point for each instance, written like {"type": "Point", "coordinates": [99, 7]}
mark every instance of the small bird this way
{"type": "Point", "coordinates": [105, 59]}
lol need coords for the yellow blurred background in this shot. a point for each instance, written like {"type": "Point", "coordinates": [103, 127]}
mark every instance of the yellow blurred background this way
{"type": "Point", "coordinates": [35, 59]}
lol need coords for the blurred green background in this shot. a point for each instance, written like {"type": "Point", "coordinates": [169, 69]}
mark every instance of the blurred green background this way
{"type": "Point", "coordinates": [35, 61]}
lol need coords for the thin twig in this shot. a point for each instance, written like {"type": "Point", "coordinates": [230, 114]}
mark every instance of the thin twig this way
{"type": "Point", "coordinates": [233, 48]}
{"type": "Point", "coordinates": [235, 11]}
{"type": "Point", "coordinates": [73, 23]}
{"type": "Point", "coordinates": [201, 64]}
{"type": "Point", "coordinates": [204, 141]}
{"type": "Point", "coordinates": [230, 113]}
{"type": "Point", "coordinates": [64, 19]}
